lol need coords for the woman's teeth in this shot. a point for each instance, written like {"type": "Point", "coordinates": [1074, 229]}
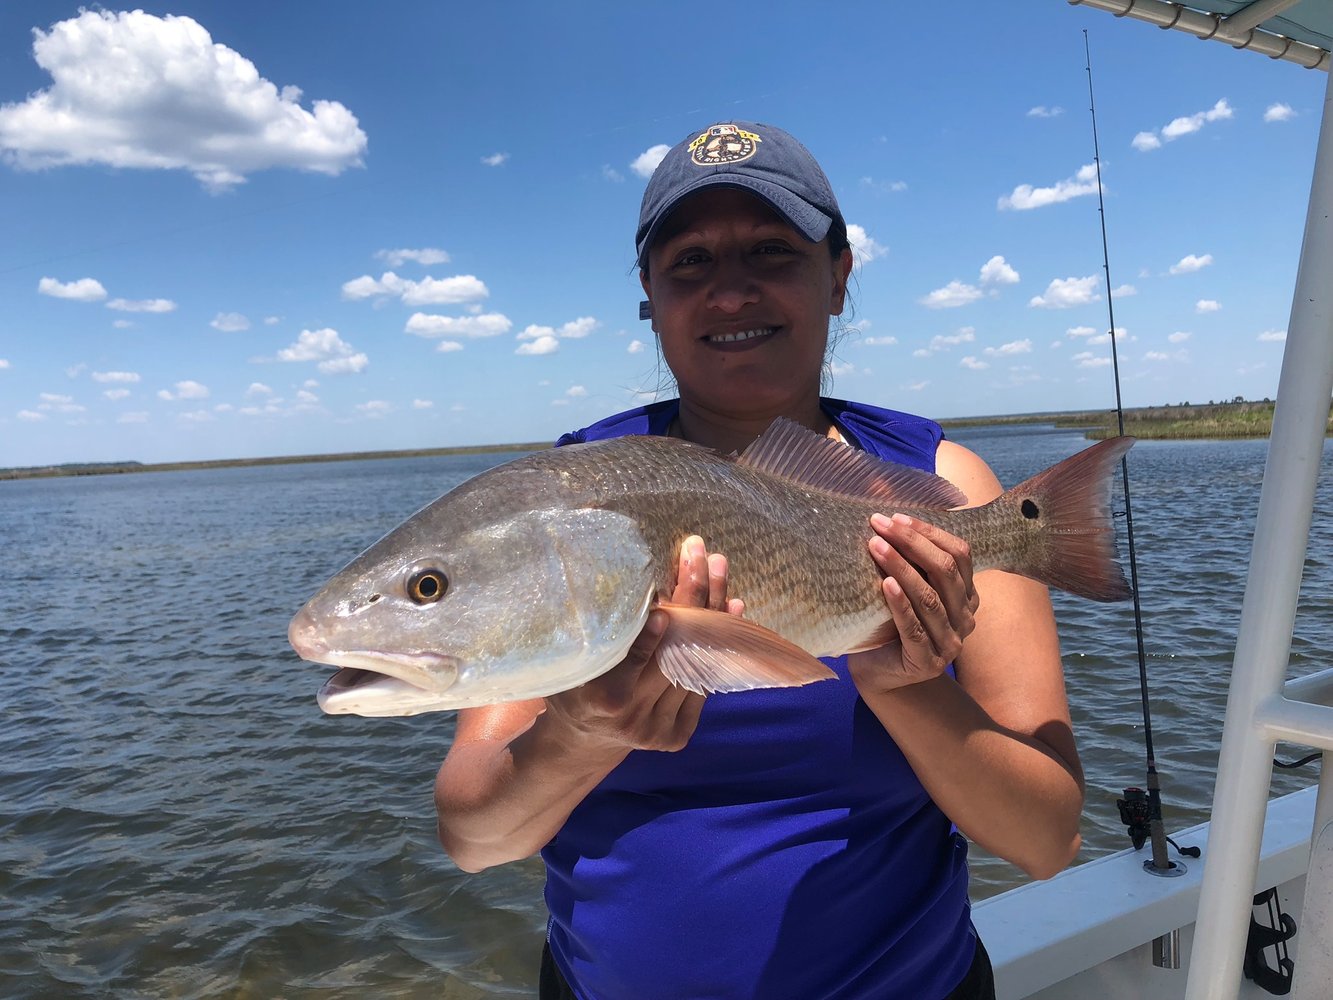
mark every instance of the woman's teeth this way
{"type": "Point", "coordinates": [731, 338]}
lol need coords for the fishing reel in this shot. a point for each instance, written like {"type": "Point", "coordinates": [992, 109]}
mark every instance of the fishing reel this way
{"type": "Point", "coordinates": [1136, 814]}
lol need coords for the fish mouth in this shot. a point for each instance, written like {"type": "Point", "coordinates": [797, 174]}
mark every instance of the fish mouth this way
{"type": "Point", "coordinates": [374, 693]}
{"type": "Point", "coordinates": [370, 677]}
{"type": "Point", "coordinates": [380, 684]}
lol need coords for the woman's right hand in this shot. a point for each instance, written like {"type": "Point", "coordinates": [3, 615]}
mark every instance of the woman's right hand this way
{"type": "Point", "coordinates": [633, 706]}
{"type": "Point", "coordinates": [517, 770]}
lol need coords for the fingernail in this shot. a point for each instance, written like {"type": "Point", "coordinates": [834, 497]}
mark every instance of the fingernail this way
{"type": "Point", "coordinates": [879, 522]}
{"type": "Point", "coordinates": [656, 624]}
{"type": "Point", "coordinates": [878, 546]}
{"type": "Point", "coordinates": [902, 518]}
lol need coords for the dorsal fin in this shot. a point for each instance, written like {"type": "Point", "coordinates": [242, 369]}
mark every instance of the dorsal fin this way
{"type": "Point", "coordinates": [790, 451]}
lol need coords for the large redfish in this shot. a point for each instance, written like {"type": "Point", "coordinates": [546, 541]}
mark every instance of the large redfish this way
{"type": "Point", "coordinates": [536, 576]}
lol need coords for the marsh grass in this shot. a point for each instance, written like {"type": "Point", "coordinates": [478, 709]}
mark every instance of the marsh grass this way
{"type": "Point", "coordinates": [1234, 419]}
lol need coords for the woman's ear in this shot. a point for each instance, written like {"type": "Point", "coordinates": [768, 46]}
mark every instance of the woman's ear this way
{"type": "Point", "coordinates": [842, 270]}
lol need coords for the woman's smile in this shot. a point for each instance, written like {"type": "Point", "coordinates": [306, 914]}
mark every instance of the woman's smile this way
{"type": "Point", "coordinates": [740, 339]}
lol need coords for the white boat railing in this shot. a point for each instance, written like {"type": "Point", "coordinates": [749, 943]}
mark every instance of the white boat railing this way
{"type": "Point", "coordinates": [1261, 709]}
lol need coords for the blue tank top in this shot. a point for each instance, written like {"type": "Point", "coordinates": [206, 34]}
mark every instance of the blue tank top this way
{"type": "Point", "coordinates": [788, 851]}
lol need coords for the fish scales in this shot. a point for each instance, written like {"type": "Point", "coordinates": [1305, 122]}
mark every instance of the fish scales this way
{"type": "Point", "coordinates": [796, 556]}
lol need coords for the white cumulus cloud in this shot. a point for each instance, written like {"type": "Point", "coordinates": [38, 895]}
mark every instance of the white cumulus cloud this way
{"type": "Point", "coordinates": [1025, 196]}
{"type": "Point", "coordinates": [646, 162]}
{"type": "Point", "coordinates": [1279, 113]}
{"type": "Point", "coordinates": [542, 344]}
{"type": "Point", "coordinates": [350, 364]}
{"type": "Point", "coordinates": [115, 376]}
{"type": "Point", "coordinates": [484, 325]}
{"type": "Point", "coordinates": [83, 290]}
{"type": "Point", "coordinates": [635, 347]}
{"type": "Point", "coordinates": [334, 356]}
{"type": "Point", "coordinates": [1064, 293]}
{"type": "Point", "coordinates": [495, 159]}
{"type": "Point", "coordinates": [1184, 125]}
{"type": "Point", "coordinates": [951, 296]}
{"type": "Point", "coordinates": [428, 291]}
{"type": "Point", "coordinates": [997, 271]}
{"type": "Point", "coordinates": [974, 363]}
{"type": "Point", "coordinates": [576, 329]}
{"type": "Point", "coordinates": [188, 389]}
{"type": "Point", "coordinates": [132, 90]}
{"type": "Point", "coordinates": [1207, 306]}
{"type": "Point", "coordinates": [1087, 359]}
{"type": "Point", "coordinates": [230, 322]}
{"type": "Point", "coordinates": [1191, 263]}
{"type": "Point", "coordinates": [425, 256]}
{"type": "Point", "coordinates": [1273, 336]}
{"type": "Point", "coordinates": [1011, 348]}
{"type": "Point", "coordinates": [142, 305]}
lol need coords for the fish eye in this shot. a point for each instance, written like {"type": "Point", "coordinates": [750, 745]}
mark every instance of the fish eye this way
{"type": "Point", "coordinates": [426, 586]}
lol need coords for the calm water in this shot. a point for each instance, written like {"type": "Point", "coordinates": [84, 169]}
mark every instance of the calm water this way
{"type": "Point", "coordinates": [178, 819]}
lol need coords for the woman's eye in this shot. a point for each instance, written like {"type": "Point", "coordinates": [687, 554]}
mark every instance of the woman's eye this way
{"type": "Point", "coordinates": [427, 586]}
{"type": "Point", "coordinates": [690, 258]}
{"type": "Point", "coordinates": [773, 249]}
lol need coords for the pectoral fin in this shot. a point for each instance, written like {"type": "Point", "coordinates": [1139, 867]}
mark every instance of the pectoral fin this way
{"type": "Point", "coordinates": [706, 651]}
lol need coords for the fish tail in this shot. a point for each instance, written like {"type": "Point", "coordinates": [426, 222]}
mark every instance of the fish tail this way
{"type": "Point", "coordinates": [1071, 505]}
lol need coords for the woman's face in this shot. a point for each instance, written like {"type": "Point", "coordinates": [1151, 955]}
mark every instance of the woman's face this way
{"type": "Point", "coordinates": [741, 303]}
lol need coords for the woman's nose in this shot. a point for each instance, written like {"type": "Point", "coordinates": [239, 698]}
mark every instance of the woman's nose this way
{"type": "Point", "coordinates": [733, 286]}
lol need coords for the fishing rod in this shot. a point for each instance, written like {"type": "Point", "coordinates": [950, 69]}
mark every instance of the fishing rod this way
{"type": "Point", "coordinates": [1141, 813]}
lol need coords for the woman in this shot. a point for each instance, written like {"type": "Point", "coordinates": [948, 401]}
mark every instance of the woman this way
{"type": "Point", "coordinates": [801, 842]}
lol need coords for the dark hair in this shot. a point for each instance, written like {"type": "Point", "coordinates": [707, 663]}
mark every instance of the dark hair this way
{"type": "Point", "coordinates": [837, 237]}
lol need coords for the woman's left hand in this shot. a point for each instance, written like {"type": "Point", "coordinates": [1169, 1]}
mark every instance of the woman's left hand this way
{"type": "Point", "coordinates": [929, 591]}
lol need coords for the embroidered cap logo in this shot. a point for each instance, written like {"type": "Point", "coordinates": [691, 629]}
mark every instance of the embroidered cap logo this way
{"type": "Point", "coordinates": [723, 144]}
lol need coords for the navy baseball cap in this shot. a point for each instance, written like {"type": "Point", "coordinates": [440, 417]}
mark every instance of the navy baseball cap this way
{"type": "Point", "coordinates": [759, 158]}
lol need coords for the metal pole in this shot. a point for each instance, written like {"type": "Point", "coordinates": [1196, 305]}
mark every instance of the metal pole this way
{"type": "Point", "coordinates": [1268, 613]}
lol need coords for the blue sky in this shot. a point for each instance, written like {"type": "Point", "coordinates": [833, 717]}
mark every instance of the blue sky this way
{"type": "Point", "coordinates": [235, 229]}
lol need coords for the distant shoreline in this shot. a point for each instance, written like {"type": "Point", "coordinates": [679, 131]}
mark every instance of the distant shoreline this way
{"type": "Point", "coordinates": [118, 468]}
{"type": "Point", "coordinates": [1234, 419]}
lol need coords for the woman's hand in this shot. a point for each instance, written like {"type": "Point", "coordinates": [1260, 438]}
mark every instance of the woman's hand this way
{"type": "Point", "coordinates": [928, 589]}
{"type": "Point", "coordinates": [632, 705]}
{"type": "Point", "coordinates": [517, 770]}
